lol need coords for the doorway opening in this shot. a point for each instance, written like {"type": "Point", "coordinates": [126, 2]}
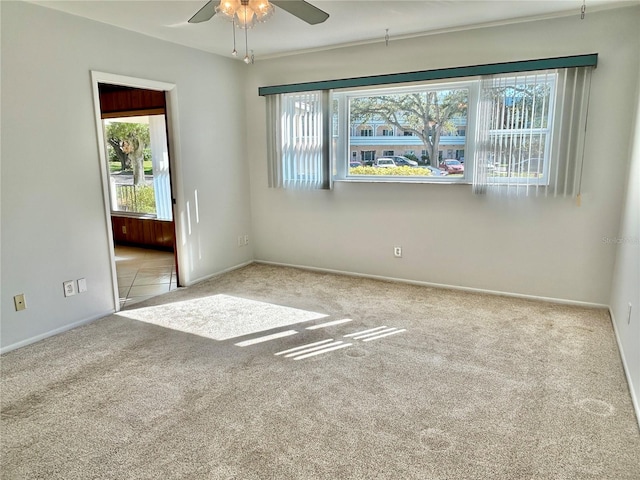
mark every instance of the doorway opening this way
{"type": "Point", "coordinates": [133, 124]}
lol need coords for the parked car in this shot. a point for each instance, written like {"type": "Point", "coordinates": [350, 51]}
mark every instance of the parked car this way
{"type": "Point", "coordinates": [400, 161]}
{"type": "Point", "coordinates": [452, 166]}
{"type": "Point", "coordinates": [384, 162]}
{"type": "Point", "coordinates": [354, 164]}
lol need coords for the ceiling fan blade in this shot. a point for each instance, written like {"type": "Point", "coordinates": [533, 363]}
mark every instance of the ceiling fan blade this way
{"type": "Point", "coordinates": [303, 10]}
{"type": "Point", "coordinates": [205, 13]}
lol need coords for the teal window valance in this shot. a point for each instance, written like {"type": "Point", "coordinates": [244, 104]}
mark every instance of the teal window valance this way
{"type": "Point", "coordinates": [587, 60]}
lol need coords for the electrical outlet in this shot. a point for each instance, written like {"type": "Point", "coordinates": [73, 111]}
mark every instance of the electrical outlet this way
{"type": "Point", "coordinates": [246, 239]}
{"type": "Point", "coordinates": [82, 285]}
{"type": "Point", "coordinates": [397, 252]}
{"type": "Point", "coordinates": [20, 302]}
{"type": "Point", "coordinates": [69, 288]}
{"type": "Point", "coordinates": [124, 229]}
{"type": "Point", "coordinates": [240, 240]}
{"type": "Point", "coordinates": [629, 314]}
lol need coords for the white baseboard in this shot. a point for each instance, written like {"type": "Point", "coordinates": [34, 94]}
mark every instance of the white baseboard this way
{"type": "Point", "coordinates": [634, 398]}
{"type": "Point", "coordinates": [439, 285]}
{"type": "Point", "coordinates": [215, 274]}
{"type": "Point", "coordinates": [42, 336]}
{"type": "Point", "coordinates": [51, 333]}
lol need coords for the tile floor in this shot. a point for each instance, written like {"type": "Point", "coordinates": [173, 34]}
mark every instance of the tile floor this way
{"type": "Point", "coordinates": [143, 273]}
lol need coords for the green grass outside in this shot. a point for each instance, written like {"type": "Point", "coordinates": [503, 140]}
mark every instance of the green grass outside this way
{"type": "Point", "coordinates": [114, 167]}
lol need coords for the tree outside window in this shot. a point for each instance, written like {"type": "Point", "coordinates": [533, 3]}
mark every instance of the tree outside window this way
{"type": "Point", "coordinates": [425, 114]}
{"type": "Point", "coordinates": [138, 165]}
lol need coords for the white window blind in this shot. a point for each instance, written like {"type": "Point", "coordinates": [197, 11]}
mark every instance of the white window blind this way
{"type": "Point", "coordinates": [160, 164]}
{"type": "Point", "coordinates": [298, 149]}
{"type": "Point", "coordinates": [530, 133]}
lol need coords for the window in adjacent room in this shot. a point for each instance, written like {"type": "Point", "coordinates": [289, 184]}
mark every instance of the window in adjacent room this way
{"type": "Point", "coordinates": [137, 156]}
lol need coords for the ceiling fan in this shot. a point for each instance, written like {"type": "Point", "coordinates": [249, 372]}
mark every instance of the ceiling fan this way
{"type": "Point", "coordinates": [245, 13]}
{"type": "Point", "coordinates": [298, 8]}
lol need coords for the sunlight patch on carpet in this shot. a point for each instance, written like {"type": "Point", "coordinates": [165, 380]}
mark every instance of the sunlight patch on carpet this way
{"type": "Point", "coordinates": [221, 317]}
{"type": "Point", "coordinates": [329, 324]}
{"type": "Point", "coordinates": [313, 349]}
{"type": "Point", "coordinates": [266, 338]}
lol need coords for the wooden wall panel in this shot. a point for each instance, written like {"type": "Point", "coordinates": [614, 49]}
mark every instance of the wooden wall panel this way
{"type": "Point", "coordinates": [115, 99]}
{"type": "Point", "coordinates": [145, 232]}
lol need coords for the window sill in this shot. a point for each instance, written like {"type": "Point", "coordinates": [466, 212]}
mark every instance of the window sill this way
{"type": "Point", "coordinates": [402, 180]}
{"type": "Point", "coordinates": [148, 216]}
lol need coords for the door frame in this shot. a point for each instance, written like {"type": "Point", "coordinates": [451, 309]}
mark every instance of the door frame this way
{"type": "Point", "coordinates": [175, 163]}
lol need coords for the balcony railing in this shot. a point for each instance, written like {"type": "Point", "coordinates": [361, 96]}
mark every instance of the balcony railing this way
{"type": "Point", "coordinates": [453, 140]}
{"type": "Point", "coordinates": [134, 198]}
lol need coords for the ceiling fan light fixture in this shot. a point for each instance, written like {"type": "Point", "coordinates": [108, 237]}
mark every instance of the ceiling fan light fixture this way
{"type": "Point", "coordinates": [262, 9]}
{"type": "Point", "coordinates": [227, 8]}
{"type": "Point", "coordinates": [245, 13]}
{"type": "Point", "coordinates": [245, 17]}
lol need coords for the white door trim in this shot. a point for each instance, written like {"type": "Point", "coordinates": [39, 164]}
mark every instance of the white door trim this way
{"type": "Point", "coordinates": [175, 162]}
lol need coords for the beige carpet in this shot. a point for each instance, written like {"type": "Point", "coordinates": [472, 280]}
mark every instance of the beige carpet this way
{"type": "Point", "coordinates": [277, 373]}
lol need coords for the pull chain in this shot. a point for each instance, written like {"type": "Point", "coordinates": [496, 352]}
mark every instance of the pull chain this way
{"type": "Point", "coordinates": [583, 10]}
{"type": "Point", "coordinates": [386, 37]}
{"type": "Point", "coordinates": [233, 26]}
{"type": "Point", "coordinates": [246, 44]}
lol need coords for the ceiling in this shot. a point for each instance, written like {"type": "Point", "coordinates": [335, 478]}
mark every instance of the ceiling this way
{"type": "Point", "coordinates": [350, 22]}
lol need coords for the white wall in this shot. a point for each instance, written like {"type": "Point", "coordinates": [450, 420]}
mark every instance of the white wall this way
{"type": "Point", "coordinates": [625, 288]}
{"type": "Point", "coordinates": [537, 246]}
{"type": "Point", "coordinates": [53, 217]}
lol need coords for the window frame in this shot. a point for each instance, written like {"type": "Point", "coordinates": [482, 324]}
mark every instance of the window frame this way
{"type": "Point", "coordinates": [577, 103]}
{"type": "Point", "coordinates": [341, 146]}
{"type": "Point", "coordinates": [549, 131]}
{"type": "Point", "coordinates": [163, 203]}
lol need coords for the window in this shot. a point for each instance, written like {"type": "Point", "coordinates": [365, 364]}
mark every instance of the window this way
{"type": "Point", "coordinates": [138, 165]}
{"type": "Point", "coordinates": [530, 133]}
{"type": "Point", "coordinates": [428, 115]}
{"type": "Point", "coordinates": [387, 132]}
{"type": "Point", "coordinates": [493, 125]}
{"type": "Point", "coordinates": [519, 125]}
{"type": "Point", "coordinates": [367, 156]}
